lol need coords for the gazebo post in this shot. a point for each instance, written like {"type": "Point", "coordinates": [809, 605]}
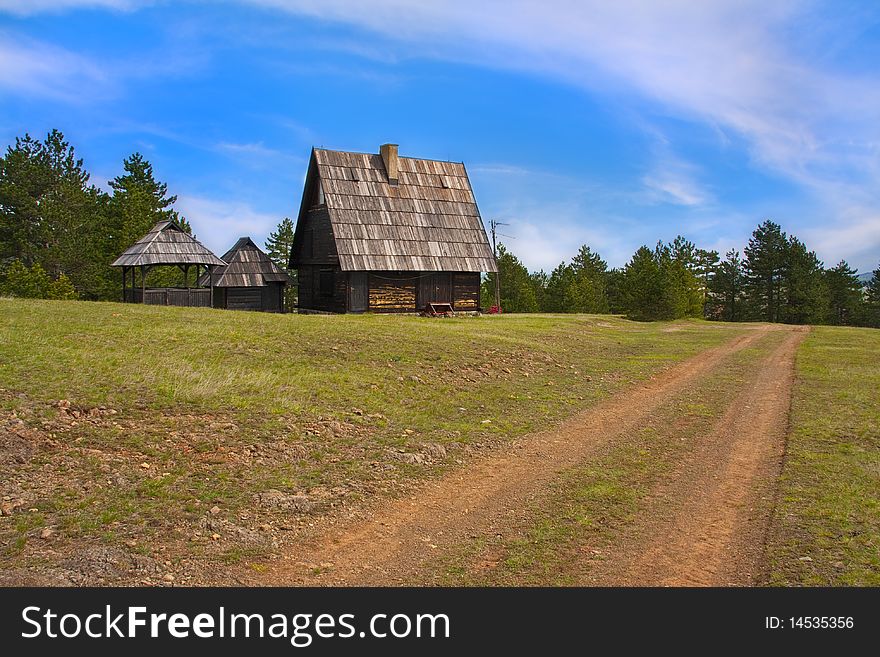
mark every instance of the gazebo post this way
{"type": "Point", "coordinates": [211, 278]}
{"type": "Point", "coordinates": [143, 284]}
{"type": "Point", "coordinates": [123, 284]}
{"type": "Point", "coordinates": [186, 282]}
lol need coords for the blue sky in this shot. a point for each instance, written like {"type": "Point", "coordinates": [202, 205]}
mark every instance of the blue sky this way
{"type": "Point", "coordinates": [608, 123]}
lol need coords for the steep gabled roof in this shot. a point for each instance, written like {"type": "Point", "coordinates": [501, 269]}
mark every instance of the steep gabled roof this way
{"type": "Point", "coordinates": [167, 244]}
{"type": "Point", "coordinates": [427, 221]}
{"type": "Point", "coordinates": [246, 266]}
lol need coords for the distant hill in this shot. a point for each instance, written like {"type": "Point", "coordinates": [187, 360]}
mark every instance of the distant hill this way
{"type": "Point", "coordinates": [864, 278]}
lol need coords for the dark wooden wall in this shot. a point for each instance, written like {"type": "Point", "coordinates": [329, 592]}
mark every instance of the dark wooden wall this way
{"type": "Point", "coordinates": [315, 244]}
{"type": "Point", "coordinates": [311, 297]}
{"type": "Point", "coordinates": [273, 297]}
{"type": "Point", "coordinates": [387, 291]}
{"type": "Point", "coordinates": [268, 298]}
{"type": "Point", "coordinates": [314, 250]}
{"type": "Point", "coordinates": [196, 297]}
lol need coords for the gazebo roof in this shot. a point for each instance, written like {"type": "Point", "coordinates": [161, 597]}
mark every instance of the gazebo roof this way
{"type": "Point", "coordinates": [167, 244]}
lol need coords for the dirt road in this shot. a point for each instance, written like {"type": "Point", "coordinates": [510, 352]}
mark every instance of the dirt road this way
{"type": "Point", "coordinates": [708, 526]}
{"type": "Point", "coordinates": [702, 534]}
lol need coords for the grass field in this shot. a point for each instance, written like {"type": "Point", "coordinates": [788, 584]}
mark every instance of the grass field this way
{"type": "Point", "coordinates": [145, 435]}
{"type": "Point", "coordinates": [162, 445]}
{"type": "Point", "coordinates": [826, 529]}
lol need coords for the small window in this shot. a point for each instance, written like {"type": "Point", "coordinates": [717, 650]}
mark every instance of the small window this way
{"type": "Point", "coordinates": [326, 282]}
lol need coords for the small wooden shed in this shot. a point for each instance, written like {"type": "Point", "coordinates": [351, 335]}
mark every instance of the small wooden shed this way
{"type": "Point", "coordinates": [383, 233]}
{"type": "Point", "coordinates": [167, 244]}
{"type": "Point", "coordinates": [249, 280]}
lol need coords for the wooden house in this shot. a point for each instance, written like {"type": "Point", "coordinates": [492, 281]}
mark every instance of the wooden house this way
{"type": "Point", "coordinates": [248, 281]}
{"type": "Point", "coordinates": [383, 233]}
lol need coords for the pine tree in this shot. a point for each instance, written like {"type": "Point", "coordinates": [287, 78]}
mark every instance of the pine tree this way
{"type": "Point", "coordinates": [679, 261]}
{"type": "Point", "coordinates": [75, 218]}
{"type": "Point", "coordinates": [706, 264]}
{"type": "Point", "coordinates": [727, 289]}
{"type": "Point", "coordinates": [25, 178]}
{"type": "Point", "coordinates": [872, 299]}
{"type": "Point", "coordinates": [51, 215]}
{"type": "Point", "coordinates": [26, 282]}
{"type": "Point", "coordinates": [844, 294]}
{"type": "Point", "coordinates": [517, 291]}
{"type": "Point", "coordinates": [539, 281]}
{"type": "Point", "coordinates": [61, 288]}
{"type": "Point", "coordinates": [764, 262]}
{"type": "Point", "coordinates": [558, 283]}
{"type": "Point", "coordinates": [614, 291]}
{"type": "Point", "coordinates": [140, 201]}
{"type": "Point", "coordinates": [279, 242]}
{"type": "Point", "coordinates": [586, 289]}
{"type": "Point", "coordinates": [804, 290]}
{"type": "Point", "coordinates": [644, 288]}
{"type": "Point", "coordinates": [278, 246]}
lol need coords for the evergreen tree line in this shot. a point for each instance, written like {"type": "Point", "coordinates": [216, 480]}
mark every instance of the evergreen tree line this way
{"type": "Point", "coordinates": [59, 232]}
{"type": "Point", "coordinates": [776, 278]}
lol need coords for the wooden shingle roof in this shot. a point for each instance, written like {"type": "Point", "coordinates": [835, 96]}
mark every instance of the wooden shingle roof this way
{"type": "Point", "coordinates": [167, 244]}
{"type": "Point", "coordinates": [427, 221]}
{"type": "Point", "coordinates": [246, 266]}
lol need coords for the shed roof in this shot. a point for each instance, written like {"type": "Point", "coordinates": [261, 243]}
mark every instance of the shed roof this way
{"type": "Point", "coordinates": [246, 266]}
{"type": "Point", "coordinates": [427, 221]}
{"type": "Point", "coordinates": [167, 244]}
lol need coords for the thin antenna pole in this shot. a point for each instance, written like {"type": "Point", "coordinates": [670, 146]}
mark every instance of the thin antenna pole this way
{"type": "Point", "coordinates": [494, 226]}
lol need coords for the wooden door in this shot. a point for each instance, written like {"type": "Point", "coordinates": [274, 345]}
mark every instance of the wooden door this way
{"type": "Point", "coordinates": [442, 288]}
{"type": "Point", "coordinates": [357, 292]}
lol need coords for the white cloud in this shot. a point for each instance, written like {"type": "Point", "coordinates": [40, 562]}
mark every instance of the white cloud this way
{"type": "Point", "coordinates": [35, 69]}
{"type": "Point", "coordinates": [547, 228]}
{"type": "Point", "coordinates": [734, 64]}
{"type": "Point", "coordinates": [673, 188]}
{"type": "Point", "coordinates": [257, 154]}
{"type": "Point", "coordinates": [217, 223]}
{"type": "Point", "coordinates": [725, 62]}
{"type": "Point", "coordinates": [855, 239]}
{"type": "Point", "coordinates": [543, 238]}
{"type": "Point", "coordinates": [674, 181]}
{"type": "Point", "coordinates": [38, 69]}
{"type": "Point", "coordinates": [30, 7]}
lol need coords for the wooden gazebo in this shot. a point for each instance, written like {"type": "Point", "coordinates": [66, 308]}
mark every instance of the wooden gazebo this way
{"type": "Point", "coordinates": [167, 244]}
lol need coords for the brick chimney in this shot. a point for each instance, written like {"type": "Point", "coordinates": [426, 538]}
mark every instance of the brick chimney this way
{"type": "Point", "coordinates": [389, 157]}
